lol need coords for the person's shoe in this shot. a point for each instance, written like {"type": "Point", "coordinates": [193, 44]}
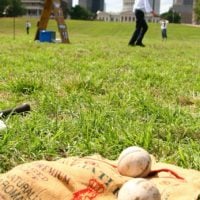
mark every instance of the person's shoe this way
{"type": "Point", "coordinates": [140, 44]}
{"type": "Point", "coordinates": [132, 45]}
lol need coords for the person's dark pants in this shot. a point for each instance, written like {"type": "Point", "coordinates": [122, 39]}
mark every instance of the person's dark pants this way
{"type": "Point", "coordinates": [27, 30]}
{"type": "Point", "coordinates": [141, 28]}
{"type": "Point", "coordinates": [164, 33]}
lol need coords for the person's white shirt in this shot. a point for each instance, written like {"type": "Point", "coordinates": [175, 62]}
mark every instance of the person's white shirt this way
{"type": "Point", "coordinates": [28, 25]}
{"type": "Point", "coordinates": [143, 5]}
{"type": "Point", "coordinates": [164, 24]}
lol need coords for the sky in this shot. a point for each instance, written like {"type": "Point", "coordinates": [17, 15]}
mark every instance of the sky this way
{"type": "Point", "coordinates": [116, 5]}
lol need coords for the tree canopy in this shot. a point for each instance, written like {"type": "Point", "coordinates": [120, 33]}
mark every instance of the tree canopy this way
{"type": "Point", "coordinates": [79, 12]}
{"type": "Point", "coordinates": [197, 10]}
{"type": "Point", "coordinates": [11, 8]}
{"type": "Point", "coordinates": [172, 16]}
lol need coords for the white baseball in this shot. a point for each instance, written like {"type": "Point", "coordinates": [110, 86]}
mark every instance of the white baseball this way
{"type": "Point", "coordinates": [2, 125]}
{"type": "Point", "coordinates": [134, 162]}
{"type": "Point", "coordinates": [139, 189]}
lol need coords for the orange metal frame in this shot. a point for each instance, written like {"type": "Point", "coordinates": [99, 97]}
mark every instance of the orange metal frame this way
{"type": "Point", "coordinates": [53, 6]}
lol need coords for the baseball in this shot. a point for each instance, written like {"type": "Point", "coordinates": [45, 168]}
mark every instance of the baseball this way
{"type": "Point", "coordinates": [139, 189]}
{"type": "Point", "coordinates": [134, 162]}
{"type": "Point", "coordinates": [2, 125]}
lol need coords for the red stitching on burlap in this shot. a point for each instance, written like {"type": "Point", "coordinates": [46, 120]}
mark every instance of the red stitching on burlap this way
{"type": "Point", "coordinates": [154, 172]}
{"type": "Point", "coordinates": [93, 189]}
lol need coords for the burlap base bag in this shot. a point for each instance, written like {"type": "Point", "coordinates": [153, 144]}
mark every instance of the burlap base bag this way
{"type": "Point", "coordinates": [90, 178]}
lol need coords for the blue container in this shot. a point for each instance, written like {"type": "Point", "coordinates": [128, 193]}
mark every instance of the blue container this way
{"type": "Point", "coordinates": [47, 36]}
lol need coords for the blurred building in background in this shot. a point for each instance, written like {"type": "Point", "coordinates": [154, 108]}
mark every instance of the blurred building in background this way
{"type": "Point", "coordinates": [155, 4]}
{"type": "Point", "coordinates": [185, 9]}
{"type": "Point", "coordinates": [92, 5]}
{"type": "Point", "coordinates": [127, 13]}
{"type": "Point", "coordinates": [35, 7]}
{"type": "Point", "coordinates": [69, 3]}
{"type": "Point", "coordinates": [128, 5]}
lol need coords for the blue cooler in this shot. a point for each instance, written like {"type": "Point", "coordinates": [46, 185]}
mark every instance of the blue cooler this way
{"type": "Point", "coordinates": [47, 36]}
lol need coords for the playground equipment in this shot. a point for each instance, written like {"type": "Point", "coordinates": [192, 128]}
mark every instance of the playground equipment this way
{"type": "Point", "coordinates": [53, 7]}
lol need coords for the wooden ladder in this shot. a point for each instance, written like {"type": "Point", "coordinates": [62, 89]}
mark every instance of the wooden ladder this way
{"type": "Point", "coordinates": [53, 6]}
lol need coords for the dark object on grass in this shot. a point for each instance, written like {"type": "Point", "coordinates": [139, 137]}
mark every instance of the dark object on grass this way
{"type": "Point", "coordinates": [24, 108]}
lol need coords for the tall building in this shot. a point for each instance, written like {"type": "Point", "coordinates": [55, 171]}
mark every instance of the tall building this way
{"type": "Point", "coordinates": [69, 3]}
{"type": "Point", "coordinates": [183, 2]}
{"type": "Point", "coordinates": [185, 9]}
{"type": "Point", "coordinates": [97, 5]}
{"type": "Point", "coordinates": [92, 5]}
{"type": "Point", "coordinates": [178, 2]}
{"type": "Point", "coordinates": [155, 4]}
{"type": "Point", "coordinates": [85, 3]}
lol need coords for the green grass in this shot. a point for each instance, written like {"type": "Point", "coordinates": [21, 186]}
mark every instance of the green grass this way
{"type": "Point", "coordinates": [98, 95]}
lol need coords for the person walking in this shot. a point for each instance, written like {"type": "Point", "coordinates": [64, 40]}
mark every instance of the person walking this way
{"type": "Point", "coordinates": [163, 27]}
{"type": "Point", "coordinates": [141, 7]}
{"type": "Point", "coordinates": [28, 26]}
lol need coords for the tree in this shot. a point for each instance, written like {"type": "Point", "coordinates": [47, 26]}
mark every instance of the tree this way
{"type": "Point", "coordinates": [3, 7]}
{"type": "Point", "coordinates": [12, 8]}
{"type": "Point", "coordinates": [172, 16]}
{"type": "Point", "coordinates": [79, 12]}
{"type": "Point", "coordinates": [196, 11]}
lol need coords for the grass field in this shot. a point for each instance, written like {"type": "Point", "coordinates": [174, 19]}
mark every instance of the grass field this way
{"type": "Point", "coordinates": [98, 95]}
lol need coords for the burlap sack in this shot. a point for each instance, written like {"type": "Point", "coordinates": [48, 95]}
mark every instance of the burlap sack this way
{"type": "Point", "coordinates": [177, 183]}
{"type": "Point", "coordinates": [89, 178]}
